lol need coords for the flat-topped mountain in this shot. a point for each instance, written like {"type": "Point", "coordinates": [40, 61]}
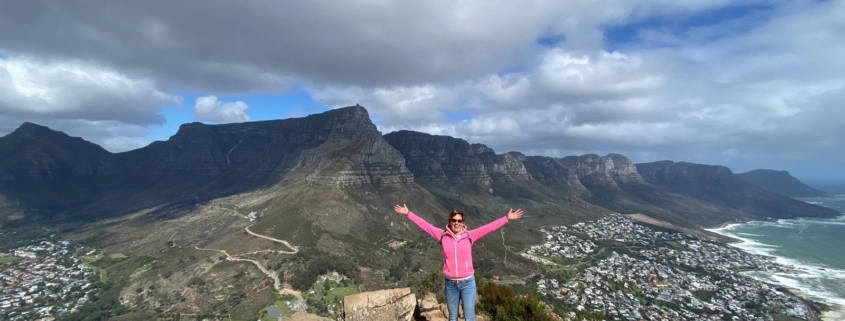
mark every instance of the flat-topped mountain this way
{"type": "Point", "coordinates": [780, 182]}
{"type": "Point", "coordinates": [42, 168]}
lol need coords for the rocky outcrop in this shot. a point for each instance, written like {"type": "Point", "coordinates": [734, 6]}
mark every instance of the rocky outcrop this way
{"type": "Point", "coordinates": [595, 171]}
{"type": "Point", "coordinates": [384, 305]}
{"type": "Point", "coordinates": [442, 158]}
{"type": "Point", "coordinates": [585, 174]}
{"type": "Point", "coordinates": [304, 316]}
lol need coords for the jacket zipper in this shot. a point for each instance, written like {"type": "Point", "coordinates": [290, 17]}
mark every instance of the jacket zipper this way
{"type": "Point", "coordinates": [456, 257]}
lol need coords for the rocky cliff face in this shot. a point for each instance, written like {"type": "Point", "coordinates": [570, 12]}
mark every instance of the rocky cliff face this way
{"type": "Point", "coordinates": [553, 171]}
{"type": "Point", "coordinates": [446, 159]}
{"type": "Point", "coordinates": [603, 172]}
{"type": "Point", "coordinates": [442, 158]}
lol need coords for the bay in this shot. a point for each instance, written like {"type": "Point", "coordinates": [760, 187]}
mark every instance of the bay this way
{"type": "Point", "coordinates": [814, 247]}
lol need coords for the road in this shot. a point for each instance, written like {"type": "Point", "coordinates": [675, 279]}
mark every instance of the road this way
{"type": "Point", "coordinates": [276, 283]}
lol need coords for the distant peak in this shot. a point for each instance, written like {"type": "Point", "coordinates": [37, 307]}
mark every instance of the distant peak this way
{"type": "Point", "coordinates": [27, 126]}
{"type": "Point", "coordinates": [773, 171]}
{"type": "Point", "coordinates": [31, 129]}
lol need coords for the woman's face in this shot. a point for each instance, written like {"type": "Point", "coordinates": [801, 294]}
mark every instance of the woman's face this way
{"type": "Point", "coordinates": [456, 223]}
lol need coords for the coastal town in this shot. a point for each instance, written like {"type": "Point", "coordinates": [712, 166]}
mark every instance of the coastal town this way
{"type": "Point", "coordinates": [663, 276]}
{"type": "Point", "coordinates": [44, 281]}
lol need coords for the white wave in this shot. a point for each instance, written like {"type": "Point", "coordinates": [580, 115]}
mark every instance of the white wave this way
{"type": "Point", "coordinates": [747, 234]}
{"type": "Point", "coordinates": [807, 278]}
{"type": "Point", "coordinates": [811, 291]}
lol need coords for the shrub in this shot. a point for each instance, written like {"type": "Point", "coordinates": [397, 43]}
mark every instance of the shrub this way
{"type": "Point", "coordinates": [323, 264]}
{"type": "Point", "coordinates": [501, 303]}
{"type": "Point", "coordinates": [432, 282]}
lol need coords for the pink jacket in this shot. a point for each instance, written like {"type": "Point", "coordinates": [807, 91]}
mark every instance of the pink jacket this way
{"type": "Point", "coordinates": [457, 249]}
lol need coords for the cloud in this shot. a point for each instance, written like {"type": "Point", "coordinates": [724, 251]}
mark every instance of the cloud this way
{"type": "Point", "coordinates": [709, 100]}
{"type": "Point", "coordinates": [766, 82]}
{"type": "Point", "coordinates": [82, 99]}
{"type": "Point", "coordinates": [210, 109]}
{"type": "Point", "coordinates": [112, 135]}
{"type": "Point", "coordinates": [263, 46]}
{"type": "Point", "coordinates": [33, 89]}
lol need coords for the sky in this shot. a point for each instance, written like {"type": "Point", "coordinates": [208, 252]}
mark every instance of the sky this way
{"type": "Point", "coordinates": [744, 83]}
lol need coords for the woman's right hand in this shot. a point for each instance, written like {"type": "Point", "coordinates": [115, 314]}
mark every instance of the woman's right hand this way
{"type": "Point", "coordinates": [401, 209]}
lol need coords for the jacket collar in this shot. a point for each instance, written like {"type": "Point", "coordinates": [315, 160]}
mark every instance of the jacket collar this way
{"type": "Point", "coordinates": [449, 231]}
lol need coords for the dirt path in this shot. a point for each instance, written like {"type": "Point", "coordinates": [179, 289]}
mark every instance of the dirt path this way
{"type": "Point", "coordinates": [294, 248]}
{"type": "Point", "coordinates": [293, 292]}
{"type": "Point", "coordinates": [276, 283]}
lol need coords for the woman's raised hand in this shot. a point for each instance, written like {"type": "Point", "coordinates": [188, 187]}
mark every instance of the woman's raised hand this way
{"type": "Point", "coordinates": [514, 215]}
{"type": "Point", "coordinates": [403, 209]}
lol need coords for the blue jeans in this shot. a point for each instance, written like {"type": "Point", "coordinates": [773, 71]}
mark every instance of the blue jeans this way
{"type": "Point", "coordinates": [465, 292]}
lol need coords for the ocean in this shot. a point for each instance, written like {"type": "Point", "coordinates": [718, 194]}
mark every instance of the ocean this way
{"type": "Point", "coordinates": [815, 247]}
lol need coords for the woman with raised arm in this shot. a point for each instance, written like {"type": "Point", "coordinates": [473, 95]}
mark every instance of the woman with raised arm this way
{"type": "Point", "coordinates": [456, 242]}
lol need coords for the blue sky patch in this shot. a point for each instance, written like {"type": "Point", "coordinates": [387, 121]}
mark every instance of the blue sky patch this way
{"type": "Point", "coordinates": [296, 103]}
{"type": "Point", "coordinates": [551, 40]}
{"type": "Point", "coordinates": [703, 26]}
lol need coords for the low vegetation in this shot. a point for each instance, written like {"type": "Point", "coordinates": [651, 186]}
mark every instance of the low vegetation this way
{"type": "Point", "coordinates": [502, 303]}
{"type": "Point", "coordinates": [8, 259]}
{"type": "Point", "coordinates": [321, 263]}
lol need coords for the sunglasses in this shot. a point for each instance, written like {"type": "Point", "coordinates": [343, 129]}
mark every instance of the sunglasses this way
{"type": "Point", "coordinates": [456, 221]}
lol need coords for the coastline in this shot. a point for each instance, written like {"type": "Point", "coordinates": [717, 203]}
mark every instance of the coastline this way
{"type": "Point", "coordinates": [836, 310]}
{"type": "Point", "coordinates": [727, 225]}
{"type": "Point", "coordinates": [723, 225]}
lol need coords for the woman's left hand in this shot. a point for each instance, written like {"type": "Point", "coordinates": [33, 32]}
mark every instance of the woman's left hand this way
{"type": "Point", "coordinates": [514, 215]}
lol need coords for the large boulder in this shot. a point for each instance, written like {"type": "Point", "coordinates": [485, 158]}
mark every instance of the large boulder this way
{"type": "Point", "coordinates": [430, 308]}
{"type": "Point", "coordinates": [303, 316]}
{"type": "Point", "coordinates": [384, 305]}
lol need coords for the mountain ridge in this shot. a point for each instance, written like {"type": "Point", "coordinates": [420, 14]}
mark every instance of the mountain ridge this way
{"type": "Point", "coordinates": [342, 147]}
{"type": "Point", "coordinates": [780, 182]}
